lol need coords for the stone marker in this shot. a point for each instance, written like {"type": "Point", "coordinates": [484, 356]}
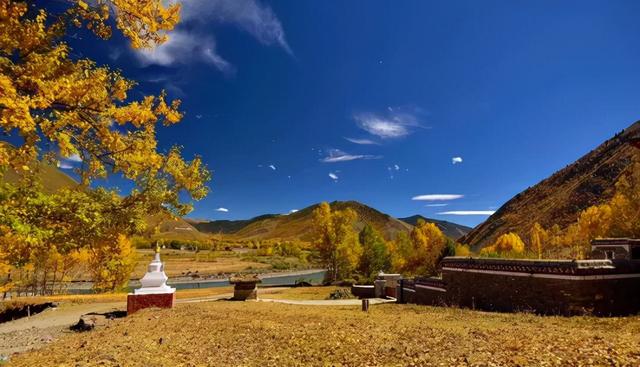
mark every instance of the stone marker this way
{"type": "Point", "coordinates": [154, 291]}
{"type": "Point", "coordinates": [245, 288]}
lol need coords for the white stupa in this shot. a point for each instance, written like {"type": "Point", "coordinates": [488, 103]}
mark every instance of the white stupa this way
{"type": "Point", "coordinates": [155, 280]}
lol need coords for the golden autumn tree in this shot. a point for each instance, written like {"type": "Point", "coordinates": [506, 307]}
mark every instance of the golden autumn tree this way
{"type": "Point", "coordinates": [399, 251]}
{"type": "Point", "coordinates": [507, 245]}
{"type": "Point", "coordinates": [625, 205]}
{"type": "Point", "coordinates": [56, 106]}
{"type": "Point", "coordinates": [539, 238]}
{"type": "Point", "coordinates": [336, 240]}
{"type": "Point", "coordinates": [593, 222]}
{"type": "Point", "coordinates": [427, 243]}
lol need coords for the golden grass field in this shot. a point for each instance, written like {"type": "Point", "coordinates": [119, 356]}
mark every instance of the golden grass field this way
{"type": "Point", "coordinates": [227, 333]}
{"type": "Point", "coordinates": [179, 263]}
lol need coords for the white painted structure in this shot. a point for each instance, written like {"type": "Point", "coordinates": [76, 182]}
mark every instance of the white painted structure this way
{"type": "Point", "coordinates": [155, 280]}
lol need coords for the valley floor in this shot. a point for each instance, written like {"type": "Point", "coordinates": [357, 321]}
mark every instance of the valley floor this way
{"type": "Point", "coordinates": [226, 333]}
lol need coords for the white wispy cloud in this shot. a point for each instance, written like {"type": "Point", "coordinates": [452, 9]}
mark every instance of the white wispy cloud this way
{"type": "Point", "coordinates": [436, 205]}
{"type": "Point", "coordinates": [437, 197]}
{"type": "Point", "coordinates": [456, 160]}
{"type": "Point", "coordinates": [394, 123]}
{"type": "Point", "coordinates": [468, 212]}
{"type": "Point", "coordinates": [336, 155]}
{"type": "Point", "coordinates": [333, 176]}
{"type": "Point", "coordinates": [272, 167]}
{"type": "Point", "coordinates": [224, 210]}
{"type": "Point", "coordinates": [193, 39]}
{"type": "Point", "coordinates": [293, 211]}
{"type": "Point", "coordinates": [251, 16]}
{"type": "Point", "coordinates": [362, 141]}
{"type": "Point", "coordinates": [184, 47]}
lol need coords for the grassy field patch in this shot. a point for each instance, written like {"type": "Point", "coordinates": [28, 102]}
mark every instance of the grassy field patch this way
{"type": "Point", "coordinates": [254, 333]}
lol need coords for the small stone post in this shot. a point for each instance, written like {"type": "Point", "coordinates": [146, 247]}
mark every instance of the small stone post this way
{"type": "Point", "coordinates": [245, 288]}
{"type": "Point", "coordinates": [365, 305]}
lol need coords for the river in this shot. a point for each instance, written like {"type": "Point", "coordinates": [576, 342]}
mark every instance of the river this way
{"type": "Point", "coordinates": [313, 276]}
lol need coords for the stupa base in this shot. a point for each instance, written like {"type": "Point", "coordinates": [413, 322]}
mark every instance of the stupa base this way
{"type": "Point", "coordinates": [136, 302]}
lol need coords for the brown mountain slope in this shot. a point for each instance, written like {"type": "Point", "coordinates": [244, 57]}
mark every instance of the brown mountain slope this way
{"type": "Point", "coordinates": [297, 226]}
{"type": "Point", "coordinates": [558, 199]}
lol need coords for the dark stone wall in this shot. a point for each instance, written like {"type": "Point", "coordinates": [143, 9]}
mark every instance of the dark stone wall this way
{"type": "Point", "coordinates": [425, 296]}
{"type": "Point", "coordinates": [363, 291]}
{"type": "Point", "coordinates": [558, 289]}
{"type": "Point", "coordinates": [543, 295]}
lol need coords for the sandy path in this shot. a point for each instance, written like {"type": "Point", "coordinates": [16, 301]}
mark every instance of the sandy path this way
{"type": "Point", "coordinates": [336, 302]}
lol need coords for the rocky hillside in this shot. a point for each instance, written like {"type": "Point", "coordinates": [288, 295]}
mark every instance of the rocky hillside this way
{"type": "Point", "coordinates": [451, 230]}
{"type": "Point", "coordinates": [558, 199]}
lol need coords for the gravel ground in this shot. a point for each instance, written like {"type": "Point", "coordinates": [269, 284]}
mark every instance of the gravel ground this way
{"type": "Point", "coordinates": [268, 334]}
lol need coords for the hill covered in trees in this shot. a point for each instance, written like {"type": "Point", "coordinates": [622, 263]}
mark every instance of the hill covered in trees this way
{"type": "Point", "coordinates": [298, 225]}
{"type": "Point", "coordinates": [561, 198]}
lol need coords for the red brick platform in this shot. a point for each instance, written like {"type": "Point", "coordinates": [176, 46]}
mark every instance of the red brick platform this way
{"type": "Point", "coordinates": [136, 302]}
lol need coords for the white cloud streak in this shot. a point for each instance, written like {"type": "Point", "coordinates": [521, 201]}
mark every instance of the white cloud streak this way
{"type": "Point", "coordinates": [223, 210]}
{"type": "Point", "coordinates": [336, 155]}
{"type": "Point", "coordinates": [293, 211]}
{"type": "Point", "coordinates": [468, 212]}
{"type": "Point", "coordinates": [436, 205]}
{"type": "Point", "coordinates": [437, 197]}
{"type": "Point", "coordinates": [456, 160]}
{"type": "Point", "coordinates": [272, 167]}
{"type": "Point", "coordinates": [333, 176]}
{"type": "Point", "coordinates": [249, 15]}
{"type": "Point", "coordinates": [362, 141]}
{"type": "Point", "coordinates": [65, 165]}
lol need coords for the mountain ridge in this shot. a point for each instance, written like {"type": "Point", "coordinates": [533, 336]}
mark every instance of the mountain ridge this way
{"type": "Point", "coordinates": [296, 225]}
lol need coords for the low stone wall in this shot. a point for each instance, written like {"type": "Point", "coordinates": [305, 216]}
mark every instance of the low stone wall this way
{"type": "Point", "coordinates": [363, 291]}
{"type": "Point", "coordinates": [547, 287]}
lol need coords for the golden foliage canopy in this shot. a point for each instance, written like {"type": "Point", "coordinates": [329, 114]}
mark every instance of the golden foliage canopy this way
{"type": "Point", "coordinates": [56, 106]}
{"type": "Point", "coordinates": [336, 240]}
{"type": "Point", "coordinates": [78, 108]}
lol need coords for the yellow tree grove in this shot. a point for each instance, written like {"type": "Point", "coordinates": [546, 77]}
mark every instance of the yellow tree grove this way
{"type": "Point", "coordinates": [336, 240]}
{"type": "Point", "coordinates": [427, 243]}
{"type": "Point", "coordinates": [539, 238]}
{"type": "Point", "coordinates": [509, 245]}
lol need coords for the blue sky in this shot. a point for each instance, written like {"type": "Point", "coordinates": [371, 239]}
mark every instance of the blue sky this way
{"type": "Point", "coordinates": [295, 102]}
